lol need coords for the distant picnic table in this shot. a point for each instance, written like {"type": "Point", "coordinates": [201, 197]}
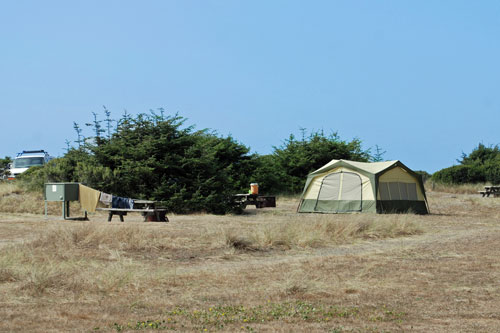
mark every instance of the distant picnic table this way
{"type": "Point", "coordinates": [260, 201]}
{"type": "Point", "coordinates": [490, 190]}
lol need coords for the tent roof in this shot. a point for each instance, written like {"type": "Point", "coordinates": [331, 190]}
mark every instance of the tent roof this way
{"type": "Point", "coordinates": [371, 167]}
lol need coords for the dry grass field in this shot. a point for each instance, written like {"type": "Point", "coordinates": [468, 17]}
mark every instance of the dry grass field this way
{"type": "Point", "coordinates": [268, 270]}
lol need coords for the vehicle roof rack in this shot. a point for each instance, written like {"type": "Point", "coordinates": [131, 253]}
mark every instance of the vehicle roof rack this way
{"type": "Point", "coordinates": [32, 152]}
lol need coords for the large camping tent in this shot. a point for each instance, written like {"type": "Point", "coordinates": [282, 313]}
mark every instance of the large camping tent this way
{"type": "Point", "coordinates": [346, 186]}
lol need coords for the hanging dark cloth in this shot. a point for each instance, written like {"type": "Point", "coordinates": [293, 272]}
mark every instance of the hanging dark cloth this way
{"type": "Point", "coordinates": [119, 202]}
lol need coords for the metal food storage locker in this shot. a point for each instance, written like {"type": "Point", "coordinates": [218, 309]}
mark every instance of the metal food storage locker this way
{"type": "Point", "coordinates": [64, 192]}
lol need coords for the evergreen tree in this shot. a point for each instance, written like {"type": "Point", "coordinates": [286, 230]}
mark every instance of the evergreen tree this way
{"type": "Point", "coordinates": [156, 157]}
{"type": "Point", "coordinates": [297, 158]}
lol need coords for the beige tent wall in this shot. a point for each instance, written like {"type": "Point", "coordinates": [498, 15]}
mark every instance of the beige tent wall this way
{"type": "Point", "coordinates": [400, 175]}
{"type": "Point", "coordinates": [314, 186]}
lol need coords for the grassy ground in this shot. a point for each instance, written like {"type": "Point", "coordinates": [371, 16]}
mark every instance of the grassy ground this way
{"type": "Point", "coordinates": [265, 270]}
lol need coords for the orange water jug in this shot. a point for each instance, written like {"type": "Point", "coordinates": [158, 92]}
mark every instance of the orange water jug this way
{"type": "Point", "coordinates": [254, 188]}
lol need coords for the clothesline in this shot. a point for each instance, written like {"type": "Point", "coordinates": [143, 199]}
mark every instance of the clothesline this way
{"type": "Point", "coordinates": [89, 198]}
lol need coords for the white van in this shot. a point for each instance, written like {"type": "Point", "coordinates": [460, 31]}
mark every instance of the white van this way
{"type": "Point", "coordinates": [27, 159]}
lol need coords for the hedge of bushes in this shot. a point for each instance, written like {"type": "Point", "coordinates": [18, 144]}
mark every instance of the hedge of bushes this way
{"type": "Point", "coordinates": [480, 166]}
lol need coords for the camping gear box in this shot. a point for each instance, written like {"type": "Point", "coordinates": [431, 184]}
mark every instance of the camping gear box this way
{"type": "Point", "coordinates": [61, 191]}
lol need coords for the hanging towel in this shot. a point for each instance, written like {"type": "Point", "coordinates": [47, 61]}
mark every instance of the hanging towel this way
{"type": "Point", "coordinates": [106, 198]}
{"type": "Point", "coordinates": [119, 202]}
{"type": "Point", "coordinates": [88, 198]}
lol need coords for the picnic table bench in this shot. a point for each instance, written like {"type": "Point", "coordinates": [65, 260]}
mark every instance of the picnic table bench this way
{"type": "Point", "coordinates": [145, 207]}
{"type": "Point", "coordinates": [490, 190]}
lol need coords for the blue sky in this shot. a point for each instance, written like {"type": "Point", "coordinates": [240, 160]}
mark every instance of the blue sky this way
{"type": "Point", "coordinates": [420, 79]}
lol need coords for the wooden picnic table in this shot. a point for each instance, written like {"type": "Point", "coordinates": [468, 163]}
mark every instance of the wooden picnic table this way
{"type": "Point", "coordinates": [490, 190]}
{"type": "Point", "coordinates": [260, 201]}
{"type": "Point", "coordinates": [147, 208]}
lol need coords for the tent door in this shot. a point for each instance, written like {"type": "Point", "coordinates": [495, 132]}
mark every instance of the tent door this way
{"type": "Point", "coordinates": [340, 192]}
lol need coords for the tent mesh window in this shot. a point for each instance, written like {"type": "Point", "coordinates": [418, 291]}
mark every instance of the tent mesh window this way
{"type": "Point", "coordinates": [384, 191]}
{"type": "Point", "coordinates": [394, 191]}
{"type": "Point", "coordinates": [403, 191]}
{"type": "Point", "coordinates": [398, 191]}
{"type": "Point", "coordinates": [412, 191]}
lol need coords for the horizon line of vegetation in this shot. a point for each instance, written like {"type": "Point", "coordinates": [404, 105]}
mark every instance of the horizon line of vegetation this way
{"type": "Point", "coordinates": [156, 156]}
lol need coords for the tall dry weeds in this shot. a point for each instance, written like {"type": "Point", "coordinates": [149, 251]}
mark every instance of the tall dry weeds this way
{"type": "Point", "coordinates": [15, 199]}
{"type": "Point", "coordinates": [312, 230]}
{"type": "Point", "coordinates": [82, 259]}
{"type": "Point", "coordinates": [455, 188]}
{"type": "Point", "coordinates": [98, 236]}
